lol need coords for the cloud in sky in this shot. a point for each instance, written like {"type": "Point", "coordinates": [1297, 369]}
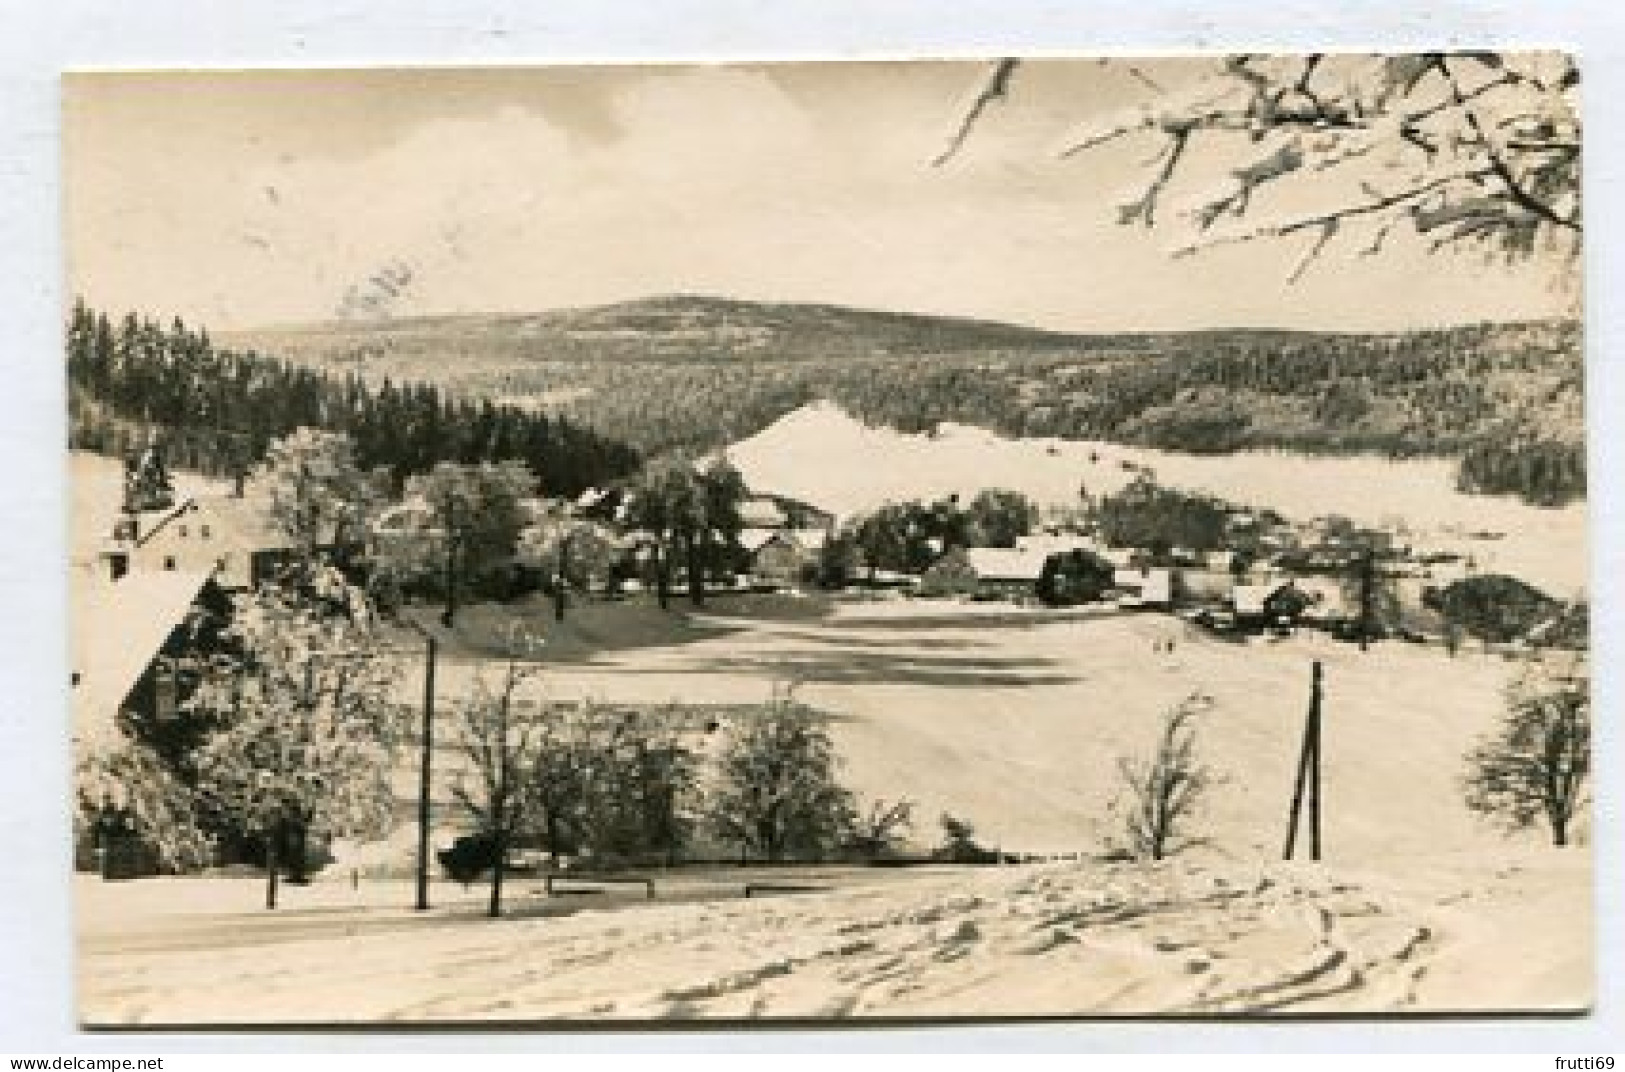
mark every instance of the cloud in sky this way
{"type": "Point", "coordinates": [237, 199]}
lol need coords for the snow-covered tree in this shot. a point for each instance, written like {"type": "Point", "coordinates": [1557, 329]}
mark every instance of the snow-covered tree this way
{"type": "Point", "coordinates": [666, 503]}
{"type": "Point", "coordinates": [1460, 148]}
{"type": "Point", "coordinates": [722, 491]}
{"type": "Point", "coordinates": [1161, 794]}
{"type": "Point", "coordinates": [775, 793]}
{"type": "Point", "coordinates": [572, 550]}
{"type": "Point", "coordinates": [308, 723]}
{"type": "Point", "coordinates": [880, 831]}
{"type": "Point", "coordinates": [472, 518]}
{"type": "Point", "coordinates": [692, 513]}
{"type": "Point", "coordinates": [1536, 764]}
{"type": "Point", "coordinates": [617, 784]}
{"type": "Point", "coordinates": [998, 517]}
{"type": "Point", "coordinates": [313, 489]}
{"type": "Point", "coordinates": [122, 783]}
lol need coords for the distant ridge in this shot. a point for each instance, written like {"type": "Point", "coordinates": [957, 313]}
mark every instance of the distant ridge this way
{"type": "Point", "coordinates": [673, 327]}
{"type": "Point", "coordinates": [706, 328]}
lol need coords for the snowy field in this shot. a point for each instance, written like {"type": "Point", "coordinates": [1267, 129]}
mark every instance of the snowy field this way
{"type": "Point", "coordinates": [1052, 939]}
{"type": "Point", "coordinates": [820, 454]}
{"type": "Point", "coordinates": [1012, 719]}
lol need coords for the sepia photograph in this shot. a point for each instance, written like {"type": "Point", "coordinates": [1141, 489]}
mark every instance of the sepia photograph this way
{"type": "Point", "coordinates": [803, 542]}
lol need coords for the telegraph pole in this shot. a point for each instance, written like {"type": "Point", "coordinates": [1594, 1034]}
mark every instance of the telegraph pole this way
{"type": "Point", "coordinates": [1368, 595]}
{"type": "Point", "coordinates": [425, 771]}
{"type": "Point", "coordinates": [1308, 779]}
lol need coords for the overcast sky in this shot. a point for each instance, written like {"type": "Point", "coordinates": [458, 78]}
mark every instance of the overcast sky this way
{"type": "Point", "coordinates": [244, 199]}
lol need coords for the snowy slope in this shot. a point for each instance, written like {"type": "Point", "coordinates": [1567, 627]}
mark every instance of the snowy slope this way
{"type": "Point", "coordinates": [1015, 941]}
{"type": "Point", "coordinates": [820, 454]}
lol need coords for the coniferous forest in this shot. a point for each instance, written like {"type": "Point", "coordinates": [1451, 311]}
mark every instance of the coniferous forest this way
{"type": "Point", "coordinates": [216, 410]}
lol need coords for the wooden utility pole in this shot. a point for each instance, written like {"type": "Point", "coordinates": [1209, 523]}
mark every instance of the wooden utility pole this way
{"type": "Point", "coordinates": [273, 831]}
{"type": "Point", "coordinates": [501, 813]}
{"type": "Point", "coordinates": [425, 771]}
{"type": "Point", "coordinates": [1308, 779]}
{"type": "Point", "coordinates": [1368, 596]}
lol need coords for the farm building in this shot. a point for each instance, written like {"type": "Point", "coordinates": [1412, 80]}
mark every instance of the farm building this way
{"type": "Point", "coordinates": [1144, 588]}
{"type": "Point", "coordinates": [131, 639]}
{"type": "Point", "coordinates": [985, 571]}
{"type": "Point", "coordinates": [781, 556]}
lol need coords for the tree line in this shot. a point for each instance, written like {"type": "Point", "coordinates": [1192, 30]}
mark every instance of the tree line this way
{"type": "Point", "coordinates": [219, 410]}
{"type": "Point", "coordinates": [619, 786]}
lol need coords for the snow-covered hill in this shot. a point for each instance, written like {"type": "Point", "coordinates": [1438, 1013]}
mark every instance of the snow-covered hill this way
{"type": "Point", "coordinates": [820, 454]}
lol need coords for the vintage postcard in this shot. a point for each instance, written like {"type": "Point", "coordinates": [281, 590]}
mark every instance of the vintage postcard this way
{"type": "Point", "coordinates": [922, 540]}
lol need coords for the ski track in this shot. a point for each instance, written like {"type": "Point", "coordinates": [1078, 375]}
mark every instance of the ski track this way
{"type": "Point", "coordinates": [1039, 940]}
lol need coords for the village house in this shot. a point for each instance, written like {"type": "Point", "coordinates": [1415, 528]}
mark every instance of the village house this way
{"type": "Point", "coordinates": [230, 539]}
{"type": "Point", "coordinates": [1144, 588]}
{"type": "Point", "coordinates": [781, 557]}
{"type": "Point", "coordinates": [1272, 604]}
{"type": "Point", "coordinates": [119, 630]}
{"type": "Point", "coordinates": [131, 640]}
{"type": "Point", "coordinates": [986, 572]}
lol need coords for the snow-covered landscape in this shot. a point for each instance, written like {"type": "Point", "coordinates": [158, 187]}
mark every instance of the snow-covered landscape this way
{"type": "Point", "coordinates": [1058, 939]}
{"type": "Point", "coordinates": [705, 548]}
{"type": "Point", "coordinates": [823, 455]}
{"type": "Point", "coordinates": [1014, 720]}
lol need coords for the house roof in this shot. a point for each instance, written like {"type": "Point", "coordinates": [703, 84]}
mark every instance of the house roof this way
{"type": "Point", "coordinates": [1117, 556]}
{"type": "Point", "coordinates": [1249, 598]}
{"type": "Point", "coordinates": [754, 539]}
{"type": "Point", "coordinates": [761, 512]}
{"type": "Point", "coordinates": [118, 629]}
{"type": "Point", "coordinates": [243, 523]}
{"type": "Point", "coordinates": [1152, 585]}
{"type": "Point", "coordinates": [1004, 563]}
{"type": "Point", "coordinates": [1049, 544]}
{"type": "Point", "coordinates": [811, 539]}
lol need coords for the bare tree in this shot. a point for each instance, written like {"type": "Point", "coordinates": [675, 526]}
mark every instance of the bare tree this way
{"type": "Point", "coordinates": [1536, 763]}
{"type": "Point", "coordinates": [1161, 795]}
{"type": "Point", "coordinates": [501, 735]}
{"type": "Point", "coordinates": [879, 831]}
{"type": "Point", "coordinates": [1464, 149]}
